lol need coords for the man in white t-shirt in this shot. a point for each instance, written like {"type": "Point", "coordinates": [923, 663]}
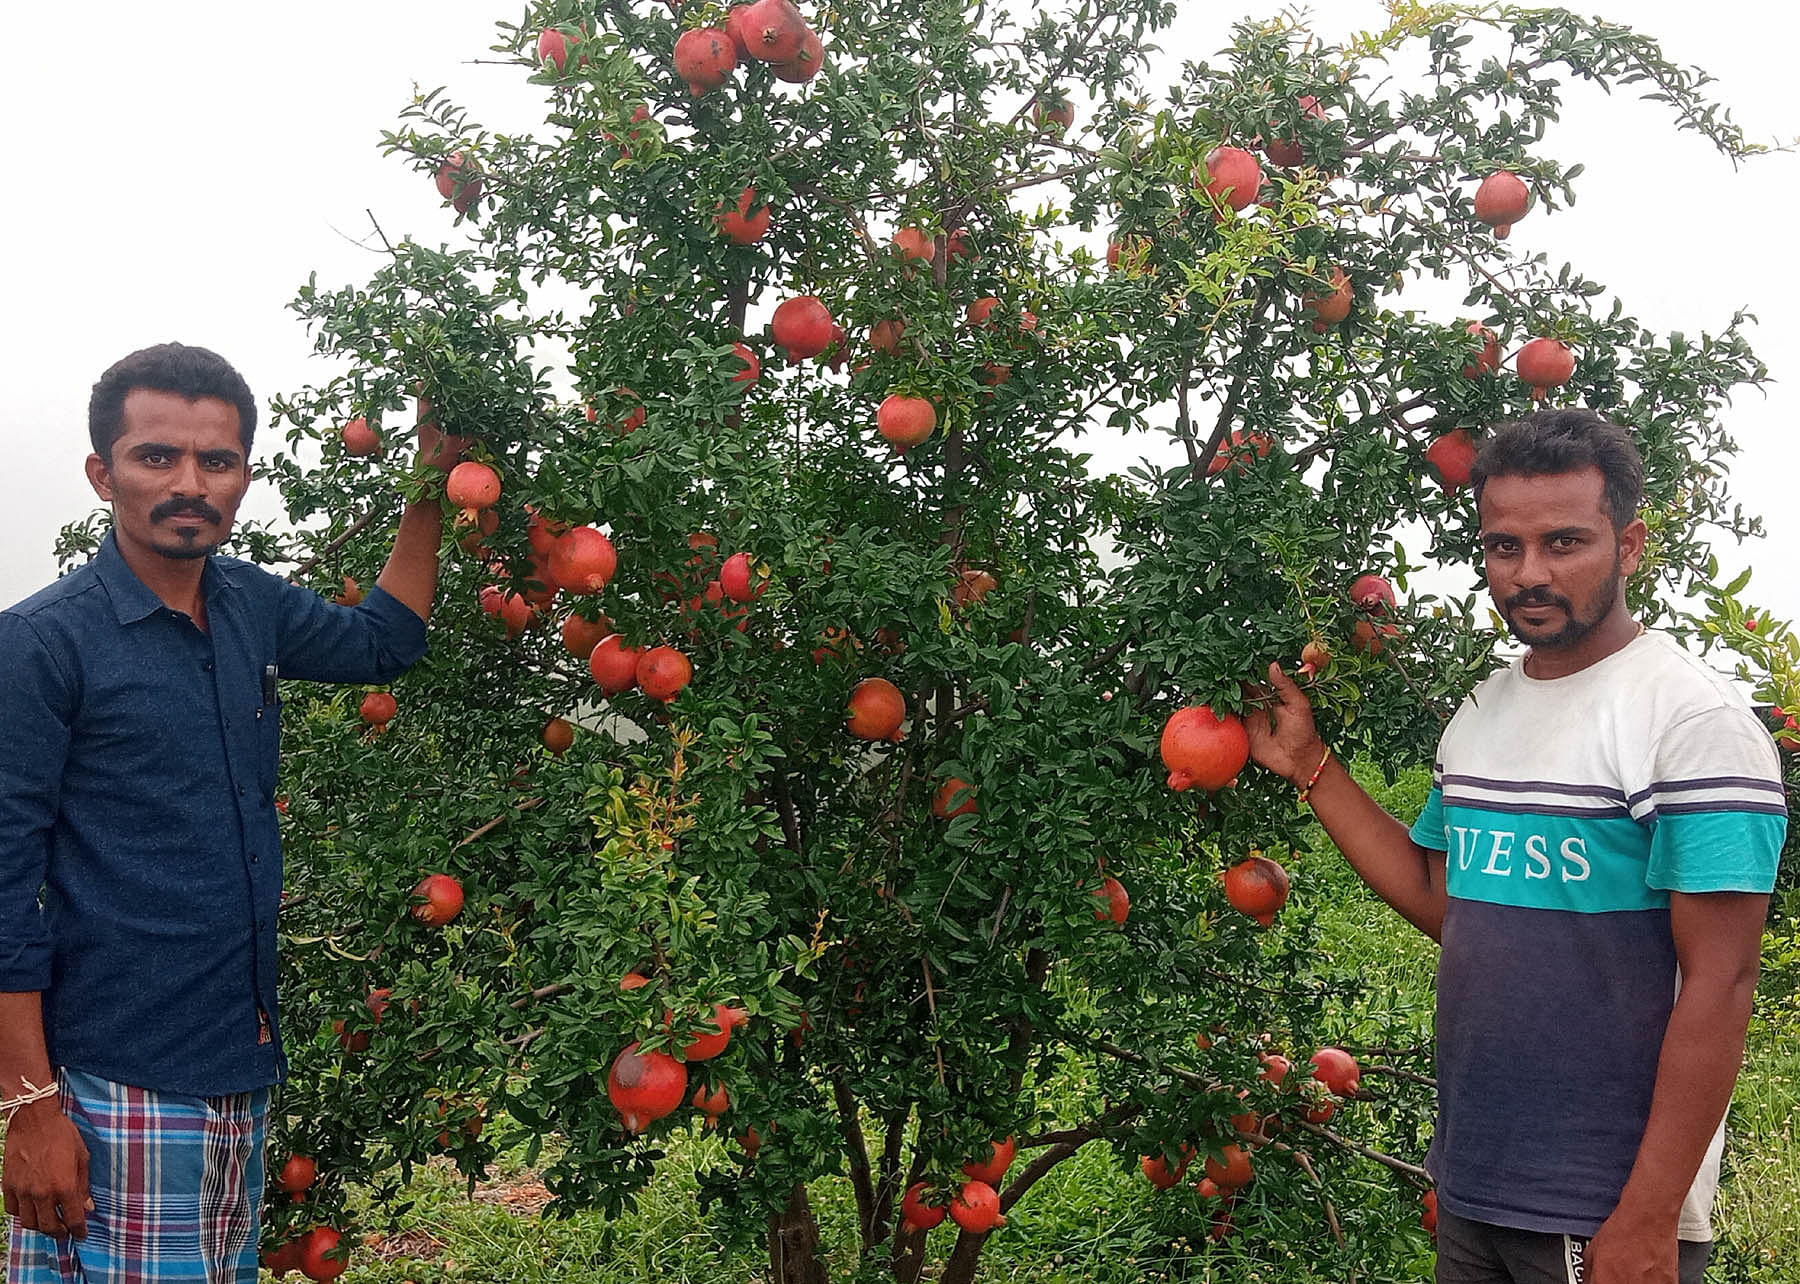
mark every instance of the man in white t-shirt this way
{"type": "Point", "coordinates": [1595, 859]}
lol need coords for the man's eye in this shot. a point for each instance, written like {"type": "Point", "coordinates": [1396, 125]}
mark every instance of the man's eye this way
{"type": "Point", "coordinates": [155, 458]}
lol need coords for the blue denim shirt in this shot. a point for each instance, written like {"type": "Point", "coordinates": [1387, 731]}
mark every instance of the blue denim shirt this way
{"type": "Point", "coordinates": [137, 796]}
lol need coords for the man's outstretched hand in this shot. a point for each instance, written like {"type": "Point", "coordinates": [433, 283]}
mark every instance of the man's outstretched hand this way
{"type": "Point", "coordinates": [436, 448]}
{"type": "Point", "coordinates": [1282, 735]}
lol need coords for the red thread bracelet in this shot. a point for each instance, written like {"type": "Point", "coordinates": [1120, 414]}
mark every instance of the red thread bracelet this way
{"type": "Point", "coordinates": [1306, 789]}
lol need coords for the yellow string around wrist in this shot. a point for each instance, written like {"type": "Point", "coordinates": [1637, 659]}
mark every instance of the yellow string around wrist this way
{"type": "Point", "coordinates": [1307, 788]}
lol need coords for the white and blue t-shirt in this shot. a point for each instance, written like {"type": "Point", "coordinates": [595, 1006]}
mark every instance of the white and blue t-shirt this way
{"type": "Point", "coordinates": [1569, 809]}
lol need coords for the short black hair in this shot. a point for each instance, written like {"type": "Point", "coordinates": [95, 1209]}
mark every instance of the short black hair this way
{"type": "Point", "coordinates": [1566, 441]}
{"type": "Point", "coordinates": [167, 367]}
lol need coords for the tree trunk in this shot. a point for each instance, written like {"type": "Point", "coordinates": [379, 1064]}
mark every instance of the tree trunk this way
{"type": "Point", "coordinates": [965, 1259]}
{"type": "Point", "coordinates": [794, 1243]}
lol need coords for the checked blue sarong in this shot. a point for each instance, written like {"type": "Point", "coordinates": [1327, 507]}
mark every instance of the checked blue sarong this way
{"type": "Point", "coordinates": [176, 1182]}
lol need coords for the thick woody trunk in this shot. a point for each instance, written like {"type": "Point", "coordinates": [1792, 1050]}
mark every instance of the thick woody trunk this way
{"type": "Point", "coordinates": [794, 1243]}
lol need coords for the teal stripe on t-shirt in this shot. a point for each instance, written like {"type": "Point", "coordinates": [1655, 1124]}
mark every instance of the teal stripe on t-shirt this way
{"type": "Point", "coordinates": [1580, 864]}
{"type": "Point", "coordinates": [1716, 851]}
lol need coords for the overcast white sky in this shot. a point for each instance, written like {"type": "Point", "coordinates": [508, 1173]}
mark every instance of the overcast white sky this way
{"type": "Point", "coordinates": [176, 169]}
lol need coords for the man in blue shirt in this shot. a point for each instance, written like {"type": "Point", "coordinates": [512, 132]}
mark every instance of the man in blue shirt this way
{"type": "Point", "coordinates": [140, 860]}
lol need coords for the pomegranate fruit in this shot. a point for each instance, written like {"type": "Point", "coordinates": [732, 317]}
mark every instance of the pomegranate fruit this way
{"type": "Point", "coordinates": [662, 672]}
{"type": "Point", "coordinates": [1372, 593]}
{"type": "Point", "coordinates": [645, 1086]}
{"type": "Point", "coordinates": [1501, 201]}
{"type": "Point", "coordinates": [1452, 456]}
{"type": "Point", "coordinates": [917, 1214]}
{"type": "Point", "coordinates": [1052, 110]}
{"type": "Point", "coordinates": [1545, 363]}
{"type": "Point", "coordinates": [322, 1254]}
{"type": "Point", "coordinates": [884, 336]}
{"type": "Point", "coordinates": [1337, 1070]}
{"type": "Point", "coordinates": [704, 57]}
{"type": "Point", "coordinates": [359, 438]}
{"type": "Point", "coordinates": [581, 635]}
{"type": "Point", "coordinates": [1156, 1168]}
{"type": "Point", "coordinates": [614, 665]}
{"type": "Point", "coordinates": [773, 31]}
{"type": "Point", "coordinates": [803, 326]}
{"type": "Point", "coordinates": [982, 310]}
{"type": "Point", "coordinates": [976, 1208]}
{"type": "Point", "coordinates": [1230, 1168]}
{"type": "Point", "coordinates": [1315, 657]}
{"type": "Point", "coordinates": [1287, 152]}
{"type": "Point", "coordinates": [954, 798]}
{"type": "Point", "coordinates": [583, 561]}
{"type": "Point", "coordinates": [378, 708]}
{"type": "Point", "coordinates": [1238, 450]}
{"type": "Point", "coordinates": [558, 735]}
{"type": "Point", "coordinates": [1487, 357]}
{"type": "Point", "coordinates": [1130, 250]}
{"type": "Point", "coordinates": [1204, 748]}
{"type": "Point", "coordinates": [1232, 178]}
{"type": "Point", "coordinates": [472, 486]}
{"type": "Point", "coordinates": [745, 223]}
{"type": "Point", "coordinates": [282, 1259]}
{"type": "Point", "coordinates": [1118, 902]}
{"type": "Point", "coordinates": [1330, 308]}
{"type": "Point", "coordinates": [297, 1174]}
{"type": "Point", "coordinates": [1000, 1157]}
{"type": "Point", "coordinates": [708, 1044]}
{"type": "Point", "coordinates": [1428, 1212]}
{"type": "Point", "coordinates": [438, 899]}
{"type": "Point", "coordinates": [735, 579]}
{"type": "Point", "coordinates": [711, 1104]}
{"type": "Point", "coordinates": [352, 594]}
{"type": "Point", "coordinates": [914, 243]}
{"type": "Point", "coordinates": [876, 710]}
{"type": "Point", "coordinates": [804, 65]}
{"type": "Point", "coordinates": [459, 181]}
{"type": "Point", "coordinates": [553, 49]}
{"type": "Point", "coordinates": [1258, 887]}
{"type": "Point", "coordinates": [957, 246]}
{"type": "Point", "coordinates": [1371, 638]}
{"type": "Point", "coordinates": [905, 421]}
{"type": "Point", "coordinates": [971, 587]}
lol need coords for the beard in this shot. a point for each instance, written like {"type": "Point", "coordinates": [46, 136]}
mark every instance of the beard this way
{"type": "Point", "coordinates": [187, 543]}
{"type": "Point", "coordinates": [1578, 624]}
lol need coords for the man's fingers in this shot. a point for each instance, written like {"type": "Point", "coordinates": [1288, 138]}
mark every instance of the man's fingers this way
{"type": "Point", "coordinates": [74, 1215]}
{"type": "Point", "coordinates": [43, 1217]}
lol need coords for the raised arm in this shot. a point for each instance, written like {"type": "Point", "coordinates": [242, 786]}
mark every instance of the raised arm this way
{"type": "Point", "coordinates": [412, 567]}
{"type": "Point", "coordinates": [1379, 848]}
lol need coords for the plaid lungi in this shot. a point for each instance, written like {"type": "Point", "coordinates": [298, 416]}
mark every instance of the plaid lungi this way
{"type": "Point", "coordinates": [177, 1186]}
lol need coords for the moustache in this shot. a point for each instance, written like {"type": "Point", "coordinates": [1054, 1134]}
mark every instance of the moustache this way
{"type": "Point", "coordinates": [174, 507]}
{"type": "Point", "coordinates": [1539, 597]}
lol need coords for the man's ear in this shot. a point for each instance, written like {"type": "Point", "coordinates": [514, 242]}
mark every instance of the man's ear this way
{"type": "Point", "coordinates": [99, 475]}
{"type": "Point", "coordinates": [1631, 545]}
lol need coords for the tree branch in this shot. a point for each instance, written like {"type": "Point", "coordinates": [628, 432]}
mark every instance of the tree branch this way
{"type": "Point", "coordinates": [856, 1149]}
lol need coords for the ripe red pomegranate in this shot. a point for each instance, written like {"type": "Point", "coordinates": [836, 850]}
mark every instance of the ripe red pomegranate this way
{"type": "Point", "coordinates": [803, 326]}
{"type": "Point", "coordinates": [1501, 201]}
{"type": "Point", "coordinates": [472, 486]}
{"type": "Point", "coordinates": [1428, 1215]}
{"type": "Point", "coordinates": [736, 580]}
{"type": "Point", "coordinates": [752, 367]}
{"type": "Point", "coordinates": [1330, 308]}
{"type": "Point", "coordinates": [378, 708]}
{"type": "Point", "coordinates": [1371, 638]}
{"type": "Point", "coordinates": [1237, 452]}
{"type": "Point", "coordinates": [297, 1174]}
{"type": "Point", "coordinates": [1204, 748]}
{"type": "Point", "coordinates": [876, 710]}
{"type": "Point", "coordinates": [1320, 1113]}
{"type": "Point", "coordinates": [1118, 902]}
{"type": "Point", "coordinates": [957, 246]}
{"type": "Point", "coordinates": [645, 1086]}
{"type": "Point", "coordinates": [905, 421]}
{"type": "Point", "coordinates": [884, 336]}
{"type": "Point", "coordinates": [1232, 178]}
{"type": "Point", "coordinates": [581, 635]}
{"type": "Point", "coordinates": [352, 593]}
{"type": "Point", "coordinates": [1257, 886]}
{"type": "Point", "coordinates": [662, 671]}
{"type": "Point", "coordinates": [1453, 456]}
{"type": "Point", "coordinates": [993, 374]}
{"type": "Point", "coordinates": [914, 243]}
{"type": "Point", "coordinates": [773, 30]}
{"type": "Point", "coordinates": [1372, 593]}
{"type": "Point", "coordinates": [1545, 363]}
{"type": "Point", "coordinates": [917, 1214]}
{"type": "Point", "coordinates": [278, 1261]}
{"type": "Point", "coordinates": [558, 735]}
{"type": "Point", "coordinates": [1337, 1070]}
{"type": "Point", "coordinates": [473, 541]}
{"type": "Point", "coordinates": [614, 665]}
{"type": "Point", "coordinates": [583, 561]}
{"type": "Point", "coordinates": [459, 181]}
{"type": "Point", "coordinates": [1487, 359]}
{"type": "Point", "coordinates": [711, 1104]}
{"type": "Point", "coordinates": [1287, 152]}
{"type": "Point", "coordinates": [971, 587]}
{"type": "Point", "coordinates": [954, 797]}
{"type": "Point", "coordinates": [976, 1208]}
{"type": "Point", "coordinates": [1230, 1169]}
{"type": "Point", "coordinates": [1275, 1067]}
{"type": "Point", "coordinates": [323, 1256]}
{"type": "Point", "coordinates": [735, 27]}
{"type": "Point", "coordinates": [1131, 249]}
{"type": "Point", "coordinates": [999, 1159]}
{"type": "Point", "coordinates": [806, 64]}
{"type": "Point", "coordinates": [359, 438]}
{"type": "Point", "coordinates": [746, 223]}
{"type": "Point", "coordinates": [1052, 110]}
{"type": "Point", "coordinates": [553, 49]}
{"type": "Point", "coordinates": [1208, 1188]}
{"type": "Point", "coordinates": [982, 310]}
{"type": "Point", "coordinates": [1156, 1168]}
{"type": "Point", "coordinates": [439, 899]}
{"type": "Point", "coordinates": [704, 57]}
{"type": "Point", "coordinates": [710, 1041]}
{"type": "Point", "coordinates": [514, 610]}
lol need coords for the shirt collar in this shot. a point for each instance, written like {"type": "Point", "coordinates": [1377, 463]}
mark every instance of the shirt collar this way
{"type": "Point", "coordinates": [131, 599]}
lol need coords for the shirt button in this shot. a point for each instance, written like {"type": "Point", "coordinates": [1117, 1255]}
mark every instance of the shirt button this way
{"type": "Point", "coordinates": [253, 858]}
{"type": "Point", "coordinates": [207, 666]}
{"type": "Point", "coordinates": [240, 791]}
{"type": "Point", "coordinates": [259, 925]}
